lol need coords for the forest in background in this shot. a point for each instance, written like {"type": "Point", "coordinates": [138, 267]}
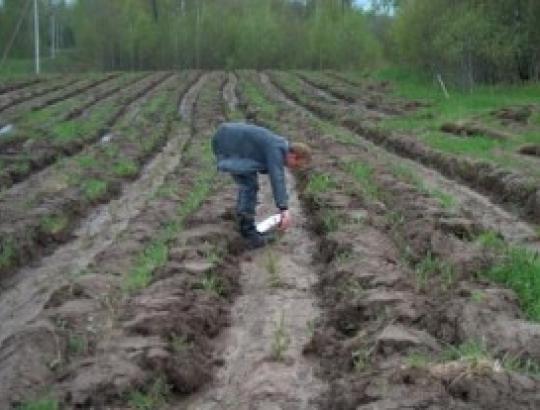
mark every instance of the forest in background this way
{"type": "Point", "coordinates": [468, 41]}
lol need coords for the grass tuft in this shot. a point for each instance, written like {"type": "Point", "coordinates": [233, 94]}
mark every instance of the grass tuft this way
{"type": "Point", "coordinates": [152, 398]}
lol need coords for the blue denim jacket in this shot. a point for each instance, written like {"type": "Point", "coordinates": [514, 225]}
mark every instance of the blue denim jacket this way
{"type": "Point", "coordinates": [244, 148]}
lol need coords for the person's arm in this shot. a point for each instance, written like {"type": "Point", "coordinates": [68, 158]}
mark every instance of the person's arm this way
{"type": "Point", "coordinates": [276, 173]}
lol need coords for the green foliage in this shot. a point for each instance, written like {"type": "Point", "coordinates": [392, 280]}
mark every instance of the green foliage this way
{"type": "Point", "coordinates": [7, 254]}
{"type": "Point", "coordinates": [54, 224]}
{"type": "Point", "coordinates": [152, 398]}
{"type": "Point", "coordinates": [520, 270]}
{"type": "Point", "coordinates": [44, 403]}
{"type": "Point", "coordinates": [319, 183]}
{"type": "Point", "coordinates": [429, 266]}
{"type": "Point", "coordinates": [140, 276]}
{"type": "Point", "coordinates": [94, 189]}
{"type": "Point", "coordinates": [212, 283]}
{"type": "Point", "coordinates": [77, 345]}
{"type": "Point", "coordinates": [125, 168]}
{"type": "Point", "coordinates": [363, 173]}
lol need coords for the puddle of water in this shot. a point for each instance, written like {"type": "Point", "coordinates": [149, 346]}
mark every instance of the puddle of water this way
{"type": "Point", "coordinates": [272, 317]}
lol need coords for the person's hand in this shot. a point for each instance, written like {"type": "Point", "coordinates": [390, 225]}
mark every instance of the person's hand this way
{"type": "Point", "coordinates": [285, 221]}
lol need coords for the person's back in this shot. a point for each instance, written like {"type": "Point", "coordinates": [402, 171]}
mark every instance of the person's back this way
{"type": "Point", "coordinates": [242, 148]}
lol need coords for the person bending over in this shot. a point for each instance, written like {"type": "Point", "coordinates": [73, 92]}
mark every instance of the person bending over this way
{"type": "Point", "coordinates": [244, 151]}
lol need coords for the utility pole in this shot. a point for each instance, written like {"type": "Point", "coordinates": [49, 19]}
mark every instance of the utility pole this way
{"type": "Point", "coordinates": [53, 32]}
{"type": "Point", "coordinates": [36, 36]}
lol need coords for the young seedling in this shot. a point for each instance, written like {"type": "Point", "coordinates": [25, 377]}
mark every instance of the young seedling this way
{"type": "Point", "coordinates": [154, 397]}
{"type": "Point", "coordinates": [271, 264]}
{"type": "Point", "coordinates": [360, 359]}
{"type": "Point", "coordinates": [281, 340]}
{"type": "Point", "coordinates": [212, 284]}
{"type": "Point", "coordinates": [180, 344]}
{"type": "Point", "coordinates": [77, 345]}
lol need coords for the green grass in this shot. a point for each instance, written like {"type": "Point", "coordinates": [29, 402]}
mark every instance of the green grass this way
{"type": "Point", "coordinates": [125, 168]}
{"type": "Point", "coordinates": [430, 266]}
{"type": "Point", "coordinates": [7, 254]}
{"type": "Point", "coordinates": [319, 183]}
{"type": "Point", "coordinates": [520, 270]}
{"type": "Point", "coordinates": [94, 189]}
{"type": "Point", "coordinates": [212, 284]}
{"type": "Point", "coordinates": [45, 403]}
{"type": "Point", "coordinates": [140, 276]}
{"type": "Point", "coordinates": [54, 224]}
{"type": "Point", "coordinates": [153, 398]}
{"type": "Point", "coordinates": [406, 174]}
{"type": "Point", "coordinates": [363, 174]}
{"type": "Point", "coordinates": [426, 122]}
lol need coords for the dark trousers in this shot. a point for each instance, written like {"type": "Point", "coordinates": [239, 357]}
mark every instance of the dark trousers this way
{"type": "Point", "coordinates": [248, 187]}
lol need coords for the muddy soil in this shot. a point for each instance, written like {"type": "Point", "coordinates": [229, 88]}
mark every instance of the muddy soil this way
{"type": "Point", "coordinates": [9, 102]}
{"type": "Point", "coordinates": [7, 87]}
{"type": "Point", "coordinates": [56, 193]}
{"type": "Point", "coordinates": [263, 365]}
{"type": "Point", "coordinates": [509, 188]}
{"type": "Point", "coordinates": [62, 286]}
{"type": "Point", "coordinates": [490, 216]}
{"type": "Point", "coordinates": [38, 153]}
{"type": "Point", "coordinates": [376, 317]}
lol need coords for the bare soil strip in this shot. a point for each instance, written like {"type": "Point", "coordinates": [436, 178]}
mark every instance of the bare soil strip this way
{"type": "Point", "coordinates": [32, 291]}
{"type": "Point", "coordinates": [390, 336]}
{"type": "Point", "coordinates": [263, 365]}
{"type": "Point", "coordinates": [506, 187]}
{"type": "Point", "coordinates": [490, 216]}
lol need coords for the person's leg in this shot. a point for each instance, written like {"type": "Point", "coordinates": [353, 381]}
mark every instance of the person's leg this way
{"type": "Point", "coordinates": [248, 188]}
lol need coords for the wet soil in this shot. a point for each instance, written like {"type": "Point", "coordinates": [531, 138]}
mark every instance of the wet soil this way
{"type": "Point", "coordinates": [509, 188]}
{"type": "Point", "coordinates": [57, 289]}
{"type": "Point", "coordinates": [271, 321]}
{"type": "Point", "coordinates": [376, 316]}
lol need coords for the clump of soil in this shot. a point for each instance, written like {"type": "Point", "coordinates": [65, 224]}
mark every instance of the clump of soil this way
{"type": "Point", "coordinates": [530, 149]}
{"type": "Point", "coordinates": [519, 114]}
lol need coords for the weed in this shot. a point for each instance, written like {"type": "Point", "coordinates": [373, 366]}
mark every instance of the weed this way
{"type": "Point", "coordinates": [125, 168]}
{"type": "Point", "coordinates": [280, 340]}
{"type": "Point", "coordinates": [77, 345]}
{"type": "Point", "coordinates": [152, 398]}
{"type": "Point", "coordinates": [271, 265]}
{"type": "Point", "coordinates": [180, 343]}
{"type": "Point", "coordinates": [319, 183]}
{"type": "Point", "coordinates": [330, 220]}
{"type": "Point", "coordinates": [431, 265]}
{"type": "Point", "coordinates": [94, 189]}
{"type": "Point", "coordinates": [364, 175]}
{"type": "Point", "coordinates": [491, 240]}
{"type": "Point", "coordinates": [212, 254]}
{"type": "Point", "coordinates": [360, 360]}
{"type": "Point", "coordinates": [86, 161]}
{"type": "Point", "coordinates": [478, 296]}
{"type": "Point", "coordinates": [139, 277]}
{"type": "Point", "coordinates": [417, 360]}
{"type": "Point", "coordinates": [520, 270]}
{"type": "Point", "coordinates": [310, 328]}
{"type": "Point", "coordinates": [212, 284]}
{"type": "Point", "coordinates": [45, 403]}
{"type": "Point", "coordinates": [350, 287]}
{"type": "Point", "coordinates": [7, 254]}
{"type": "Point", "coordinates": [54, 224]}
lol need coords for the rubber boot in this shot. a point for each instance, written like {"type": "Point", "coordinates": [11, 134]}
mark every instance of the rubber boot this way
{"type": "Point", "coordinates": [249, 232]}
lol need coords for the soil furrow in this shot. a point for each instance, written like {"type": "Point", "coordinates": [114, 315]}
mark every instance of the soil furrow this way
{"type": "Point", "coordinates": [478, 207]}
{"type": "Point", "coordinates": [43, 215]}
{"type": "Point", "coordinates": [18, 85]}
{"type": "Point", "coordinates": [379, 315]}
{"type": "Point", "coordinates": [78, 111]}
{"type": "Point", "coordinates": [14, 101]}
{"type": "Point", "coordinates": [508, 188]}
{"type": "Point", "coordinates": [26, 159]}
{"type": "Point", "coordinates": [80, 89]}
{"type": "Point", "coordinates": [32, 291]}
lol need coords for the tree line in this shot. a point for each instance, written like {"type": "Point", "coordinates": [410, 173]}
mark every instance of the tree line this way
{"type": "Point", "coordinates": [468, 41]}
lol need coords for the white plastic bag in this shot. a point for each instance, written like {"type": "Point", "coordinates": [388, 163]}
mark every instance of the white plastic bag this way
{"type": "Point", "coordinates": [269, 223]}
